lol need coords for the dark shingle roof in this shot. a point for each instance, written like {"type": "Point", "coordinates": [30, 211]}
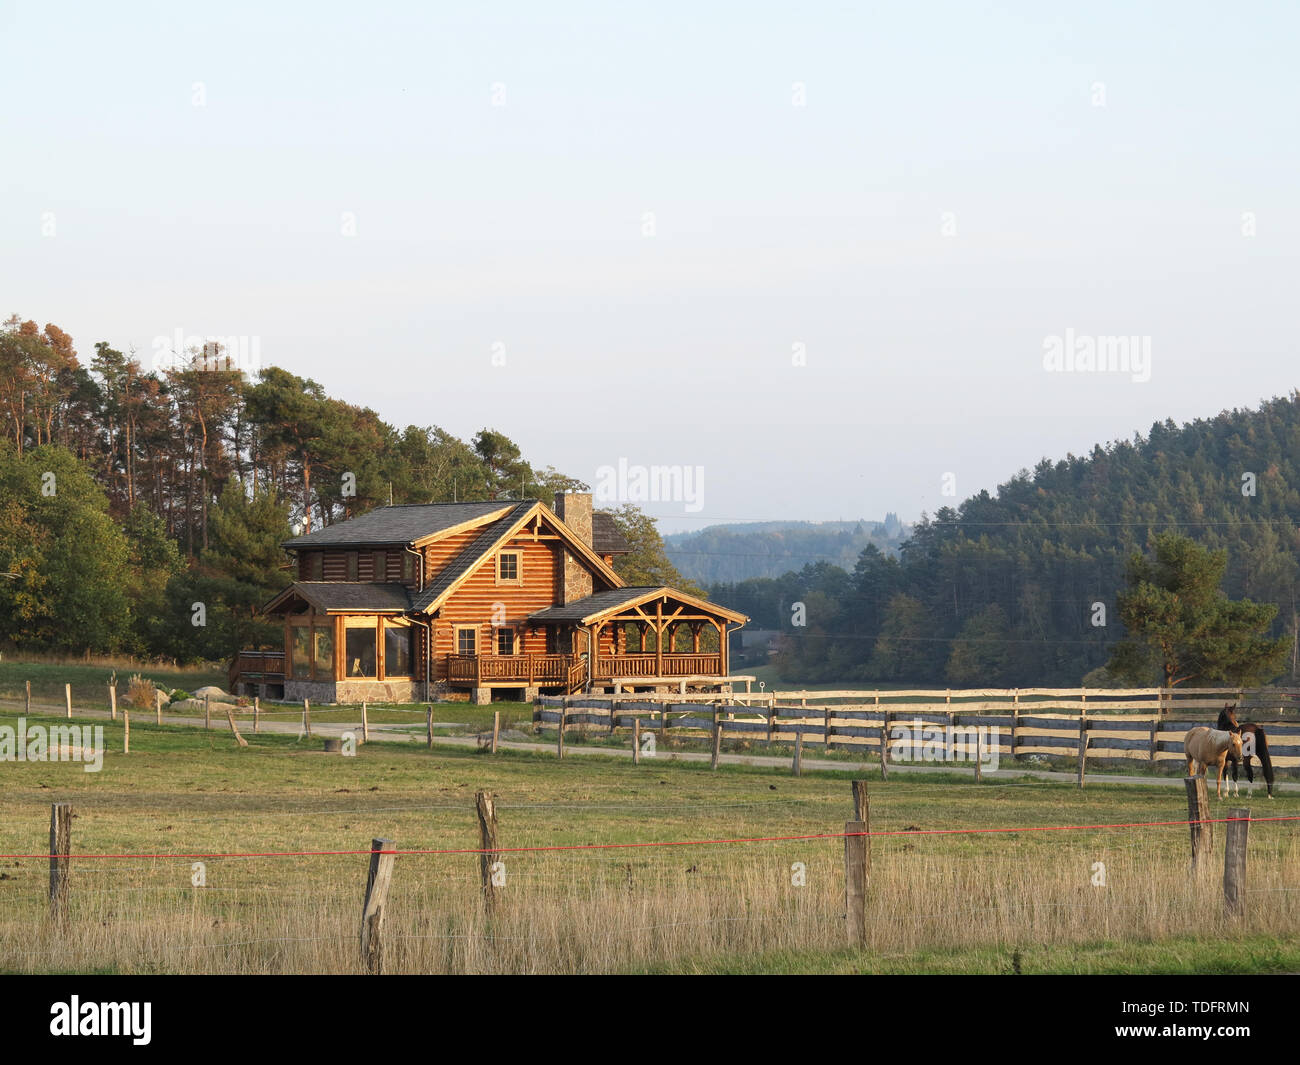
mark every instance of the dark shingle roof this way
{"type": "Point", "coordinates": [606, 539]}
{"type": "Point", "coordinates": [594, 604]}
{"type": "Point", "coordinates": [346, 595]}
{"type": "Point", "coordinates": [471, 556]}
{"type": "Point", "coordinates": [616, 598]}
{"type": "Point", "coordinates": [402, 524]}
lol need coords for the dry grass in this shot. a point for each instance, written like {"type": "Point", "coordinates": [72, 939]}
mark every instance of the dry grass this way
{"type": "Point", "coordinates": [609, 911]}
{"type": "Point", "coordinates": [683, 908]}
{"type": "Point", "coordinates": [141, 693]}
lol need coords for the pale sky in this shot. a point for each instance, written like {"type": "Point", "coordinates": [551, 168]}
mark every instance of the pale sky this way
{"type": "Point", "coordinates": [647, 207]}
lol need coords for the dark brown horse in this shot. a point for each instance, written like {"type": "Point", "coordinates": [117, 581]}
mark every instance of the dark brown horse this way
{"type": "Point", "coordinates": [1253, 741]}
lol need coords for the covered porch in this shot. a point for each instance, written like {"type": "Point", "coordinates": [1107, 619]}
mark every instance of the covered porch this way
{"type": "Point", "coordinates": [648, 637]}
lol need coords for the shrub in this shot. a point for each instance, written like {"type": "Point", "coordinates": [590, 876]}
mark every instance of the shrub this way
{"type": "Point", "coordinates": [140, 693]}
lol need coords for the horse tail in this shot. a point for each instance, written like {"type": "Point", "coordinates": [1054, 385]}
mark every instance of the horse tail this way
{"type": "Point", "coordinates": [1261, 749]}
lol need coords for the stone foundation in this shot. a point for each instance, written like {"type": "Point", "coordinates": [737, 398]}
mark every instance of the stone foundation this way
{"type": "Point", "coordinates": [483, 696]}
{"type": "Point", "coordinates": [352, 690]}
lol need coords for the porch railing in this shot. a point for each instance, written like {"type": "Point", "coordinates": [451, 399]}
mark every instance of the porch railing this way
{"type": "Point", "coordinates": [674, 665]}
{"type": "Point", "coordinates": [527, 669]}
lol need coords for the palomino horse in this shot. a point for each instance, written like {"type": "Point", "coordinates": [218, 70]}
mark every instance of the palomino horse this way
{"type": "Point", "coordinates": [1209, 746]}
{"type": "Point", "coordinates": [1253, 741]}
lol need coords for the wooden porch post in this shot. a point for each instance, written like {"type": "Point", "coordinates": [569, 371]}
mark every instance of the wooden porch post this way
{"type": "Point", "coordinates": [659, 638]}
{"type": "Point", "coordinates": [380, 664]}
{"type": "Point", "coordinates": [340, 649]}
{"type": "Point", "coordinates": [695, 637]}
{"type": "Point", "coordinates": [722, 646]}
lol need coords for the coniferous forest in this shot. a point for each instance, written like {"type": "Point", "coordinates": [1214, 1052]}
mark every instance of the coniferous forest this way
{"type": "Point", "coordinates": [1019, 587]}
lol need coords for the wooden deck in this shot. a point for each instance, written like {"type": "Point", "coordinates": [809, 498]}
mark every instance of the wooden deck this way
{"type": "Point", "coordinates": [485, 671]}
{"type": "Point", "coordinates": [570, 671]}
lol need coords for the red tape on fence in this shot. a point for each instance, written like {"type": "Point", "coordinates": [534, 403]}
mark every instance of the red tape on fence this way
{"type": "Point", "coordinates": [678, 842]}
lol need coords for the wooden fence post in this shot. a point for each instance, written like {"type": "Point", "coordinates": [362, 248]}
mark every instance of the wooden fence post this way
{"type": "Point", "coordinates": [797, 766]}
{"type": "Point", "coordinates": [487, 831]}
{"type": "Point", "coordinates": [1083, 745]}
{"type": "Point", "coordinates": [428, 727]}
{"type": "Point", "coordinates": [112, 702]}
{"type": "Point", "coordinates": [67, 698]}
{"type": "Point", "coordinates": [234, 730]}
{"type": "Point", "coordinates": [257, 714]}
{"type": "Point", "coordinates": [372, 910]}
{"type": "Point", "coordinates": [1015, 719]}
{"type": "Point", "coordinates": [979, 754]}
{"type": "Point", "coordinates": [559, 741]}
{"type": "Point", "coordinates": [365, 722]}
{"type": "Point", "coordinates": [306, 717]}
{"type": "Point", "coordinates": [496, 728]}
{"type": "Point", "coordinates": [856, 866]}
{"type": "Point", "coordinates": [636, 740]}
{"type": "Point", "coordinates": [27, 703]}
{"type": "Point", "coordinates": [861, 802]}
{"type": "Point", "coordinates": [157, 706]}
{"type": "Point", "coordinates": [126, 730]}
{"type": "Point", "coordinates": [884, 743]}
{"type": "Point", "coordinates": [717, 739]}
{"type": "Point", "coordinates": [826, 729]}
{"type": "Point", "coordinates": [771, 720]}
{"type": "Point", "coordinates": [207, 712]}
{"type": "Point", "coordinates": [60, 862]}
{"type": "Point", "coordinates": [1198, 805]}
{"type": "Point", "coordinates": [1155, 744]}
{"type": "Point", "coordinates": [1234, 861]}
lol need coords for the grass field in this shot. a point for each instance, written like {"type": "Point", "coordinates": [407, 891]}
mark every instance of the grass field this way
{"type": "Point", "coordinates": [90, 680]}
{"type": "Point", "coordinates": [997, 902]}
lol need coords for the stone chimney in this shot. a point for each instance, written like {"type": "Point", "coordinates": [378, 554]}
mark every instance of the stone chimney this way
{"type": "Point", "coordinates": [574, 509]}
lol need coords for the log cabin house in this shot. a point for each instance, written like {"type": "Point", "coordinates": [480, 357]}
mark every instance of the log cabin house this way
{"type": "Point", "coordinates": [414, 602]}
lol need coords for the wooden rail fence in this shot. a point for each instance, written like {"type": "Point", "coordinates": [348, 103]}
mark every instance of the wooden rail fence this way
{"type": "Point", "coordinates": [1061, 728]}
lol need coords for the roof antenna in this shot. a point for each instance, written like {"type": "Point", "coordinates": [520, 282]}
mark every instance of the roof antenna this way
{"type": "Point", "coordinates": [453, 491]}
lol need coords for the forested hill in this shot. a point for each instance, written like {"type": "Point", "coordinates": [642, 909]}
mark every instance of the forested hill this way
{"type": "Point", "coordinates": [1002, 589]}
{"type": "Point", "coordinates": [771, 548]}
